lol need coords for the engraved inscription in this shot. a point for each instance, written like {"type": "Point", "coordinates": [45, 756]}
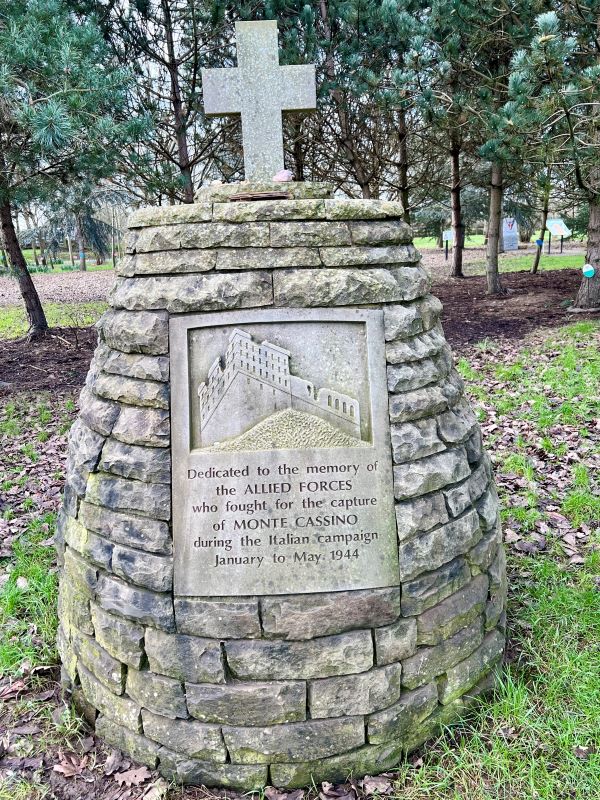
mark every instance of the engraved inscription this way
{"type": "Point", "coordinates": [281, 490]}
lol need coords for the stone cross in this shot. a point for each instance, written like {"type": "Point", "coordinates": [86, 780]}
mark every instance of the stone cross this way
{"type": "Point", "coordinates": [260, 90]}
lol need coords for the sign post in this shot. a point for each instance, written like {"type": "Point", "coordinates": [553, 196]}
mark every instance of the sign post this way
{"type": "Point", "coordinates": [557, 227]}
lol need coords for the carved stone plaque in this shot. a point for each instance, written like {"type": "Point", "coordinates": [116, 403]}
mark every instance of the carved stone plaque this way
{"type": "Point", "coordinates": [282, 475]}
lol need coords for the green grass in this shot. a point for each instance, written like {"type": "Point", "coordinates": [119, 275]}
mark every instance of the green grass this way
{"type": "Point", "coordinates": [524, 742]}
{"type": "Point", "coordinates": [13, 319]}
{"type": "Point", "coordinates": [28, 615]}
{"type": "Point", "coordinates": [429, 242]}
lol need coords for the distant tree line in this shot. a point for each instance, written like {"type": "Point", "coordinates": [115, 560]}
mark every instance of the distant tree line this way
{"type": "Point", "coordinates": [460, 109]}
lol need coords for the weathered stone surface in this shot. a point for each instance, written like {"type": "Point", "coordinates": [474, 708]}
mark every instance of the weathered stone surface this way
{"type": "Point", "coordinates": [456, 424]}
{"type": "Point", "coordinates": [267, 258]}
{"type": "Point", "coordinates": [430, 662]}
{"type": "Point", "coordinates": [416, 374]}
{"type": "Point", "coordinates": [192, 236]}
{"type": "Point", "coordinates": [121, 710]}
{"type": "Point", "coordinates": [127, 529]}
{"type": "Point", "coordinates": [218, 193]}
{"type": "Point", "coordinates": [80, 572]}
{"type": "Point", "coordinates": [498, 590]}
{"type": "Point", "coordinates": [428, 551]}
{"type": "Point", "coordinates": [269, 210]}
{"type": "Point", "coordinates": [459, 498]}
{"type": "Point", "coordinates": [322, 657]}
{"type": "Point", "coordinates": [206, 773]}
{"type": "Point", "coordinates": [414, 440]}
{"type": "Point", "coordinates": [70, 501]}
{"type": "Point", "coordinates": [420, 514]}
{"type": "Point", "coordinates": [170, 215]}
{"type": "Point", "coordinates": [67, 657]}
{"type": "Point", "coordinates": [369, 256]}
{"type": "Point", "coordinates": [430, 588]}
{"type": "Point", "coordinates": [132, 365]}
{"type": "Point", "coordinates": [396, 722]}
{"type": "Point", "coordinates": [122, 494]}
{"type": "Point", "coordinates": [143, 426]}
{"type": "Point", "coordinates": [355, 694]}
{"type": "Point", "coordinates": [218, 619]}
{"type": "Point", "coordinates": [144, 569]}
{"type": "Point", "coordinates": [132, 391]}
{"type": "Point", "coordinates": [296, 741]}
{"type": "Point", "coordinates": [101, 664]}
{"type": "Point", "coordinates": [84, 451]}
{"type": "Point", "coordinates": [73, 606]}
{"type": "Point", "coordinates": [313, 615]}
{"type": "Point", "coordinates": [380, 232]}
{"type": "Point", "coordinates": [423, 402]}
{"type": "Point", "coordinates": [482, 555]}
{"type": "Point", "coordinates": [428, 474]}
{"type": "Point", "coordinates": [155, 692]}
{"type": "Point", "coordinates": [467, 673]}
{"type": "Point", "coordinates": [362, 209]}
{"type": "Point", "coordinates": [171, 262]}
{"type": "Point", "coordinates": [187, 658]}
{"type": "Point", "coordinates": [424, 345]}
{"type": "Point", "coordinates": [93, 547]}
{"type": "Point", "coordinates": [474, 446]}
{"type": "Point", "coordinates": [202, 292]}
{"type": "Point", "coordinates": [309, 234]}
{"type": "Point", "coordinates": [138, 747]}
{"type": "Point", "coordinates": [487, 508]}
{"type": "Point", "coordinates": [453, 613]}
{"type": "Point", "coordinates": [139, 605]}
{"type": "Point", "coordinates": [409, 319]}
{"type": "Point", "coordinates": [368, 760]}
{"type": "Point", "coordinates": [119, 637]}
{"type": "Point", "coordinates": [395, 642]}
{"type": "Point", "coordinates": [340, 287]}
{"type": "Point", "coordinates": [248, 703]}
{"type": "Point", "coordinates": [186, 736]}
{"type": "Point", "coordinates": [97, 414]}
{"type": "Point", "coordinates": [148, 464]}
{"type": "Point", "coordinates": [143, 332]}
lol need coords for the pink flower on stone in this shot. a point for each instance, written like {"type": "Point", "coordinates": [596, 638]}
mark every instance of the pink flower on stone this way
{"type": "Point", "coordinates": [283, 176]}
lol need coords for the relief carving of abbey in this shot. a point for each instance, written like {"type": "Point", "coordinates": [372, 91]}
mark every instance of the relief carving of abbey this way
{"type": "Point", "coordinates": [251, 381]}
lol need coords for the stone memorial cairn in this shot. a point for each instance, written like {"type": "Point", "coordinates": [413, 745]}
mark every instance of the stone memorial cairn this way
{"type": "Point", "coordinates": [274, 688]}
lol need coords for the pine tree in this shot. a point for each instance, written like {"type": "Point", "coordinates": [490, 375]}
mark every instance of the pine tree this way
{"type": "Point", "coordinates": [555, 96]}
{"type": "Point", "coordinates": [58, 98]}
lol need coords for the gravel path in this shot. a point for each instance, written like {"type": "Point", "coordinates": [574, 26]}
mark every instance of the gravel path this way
{"type": "Point", "coordinates": [61, 287]}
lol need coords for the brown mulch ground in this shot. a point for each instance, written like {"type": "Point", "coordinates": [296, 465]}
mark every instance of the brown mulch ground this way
{"type": "Point", "coordinates": [531, 302]}
{"type": "Point", "coordinates": [57, 362]}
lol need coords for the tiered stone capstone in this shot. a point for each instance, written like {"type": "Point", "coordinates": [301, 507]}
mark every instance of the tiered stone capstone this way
{"type": "Point", "coordinates": [241, 692]}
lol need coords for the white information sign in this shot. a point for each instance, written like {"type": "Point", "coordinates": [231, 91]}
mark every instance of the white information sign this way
{"type": "Point", "coordinates": [558, 228]}
{"type": "Point", "coordinates": [510, 233]}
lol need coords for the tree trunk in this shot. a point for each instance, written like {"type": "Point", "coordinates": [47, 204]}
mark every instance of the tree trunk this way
{"type": "Point", "coordinates": [538, 253]}
{"type": "Point", "coordinates": [458, 228]}
{"type": "Point", "coordinates": [589, 290]}
{"type": "Point", "coordinates": [33, 306]}
{"type": "Point", "coordinates": [403, 167]}
{"type": "Point", "coordinates": [70, 247]}
{"type": "Point", "coordinates": [183, 156]}
{"type": "Point", "coordinates": [494, 221]}
{"type": "Point", "coordinates": [80, 246]}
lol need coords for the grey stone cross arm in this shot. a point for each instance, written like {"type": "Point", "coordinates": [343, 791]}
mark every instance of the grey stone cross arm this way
{"type": "Point", "coordinates": [260, 90]}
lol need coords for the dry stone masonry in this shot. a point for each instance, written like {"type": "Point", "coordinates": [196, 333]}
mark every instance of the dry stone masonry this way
{"type": "Point", "coordinates": [217, 673]}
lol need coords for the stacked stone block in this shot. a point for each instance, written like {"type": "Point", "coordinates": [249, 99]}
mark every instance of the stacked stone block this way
{"type": "Point", "coordinates": [242, 692]}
